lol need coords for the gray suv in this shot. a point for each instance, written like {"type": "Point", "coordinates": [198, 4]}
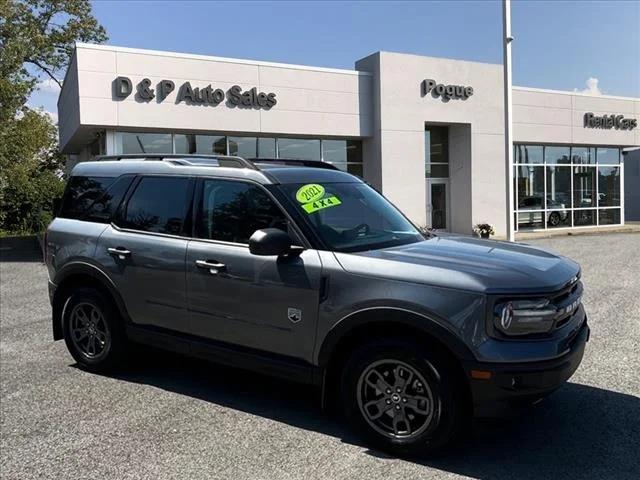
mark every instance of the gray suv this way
{"type": "Point", "coordinates": [302, 271]}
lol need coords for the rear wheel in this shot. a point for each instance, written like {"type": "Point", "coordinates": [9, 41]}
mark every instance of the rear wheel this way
{"type": "Point", "coordinates": [92, 330]}
{"type": "Point", "coordinates": [402, 397]}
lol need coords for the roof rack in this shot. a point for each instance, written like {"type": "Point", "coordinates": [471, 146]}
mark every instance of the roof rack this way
{"type": "Point", "coordinates": [217, 160]}
{"type": "Point", "coordinates": [184, 159]}
{"type": "Point", "coordinates": [295, 162]}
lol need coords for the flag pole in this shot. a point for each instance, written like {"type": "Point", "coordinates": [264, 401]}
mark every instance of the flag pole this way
{"type": "Point", "coordinates": [508, 140]}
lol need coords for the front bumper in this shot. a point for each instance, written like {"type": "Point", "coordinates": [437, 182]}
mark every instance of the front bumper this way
{"type": "Point", "coordinates": [513, 385]}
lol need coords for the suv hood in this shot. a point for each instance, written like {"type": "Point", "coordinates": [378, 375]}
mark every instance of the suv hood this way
{"type": "Point", "coordinates": [466, 263]}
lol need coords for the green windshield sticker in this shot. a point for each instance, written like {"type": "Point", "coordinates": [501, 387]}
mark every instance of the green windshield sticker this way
{"type": "Point", "coordinates": [309, 193]}
{"type": "Point", "coordinates": [321, 204]}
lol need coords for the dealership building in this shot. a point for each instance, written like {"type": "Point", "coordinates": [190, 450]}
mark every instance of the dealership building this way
{"type": "Point", "coordinates": [429, 133]}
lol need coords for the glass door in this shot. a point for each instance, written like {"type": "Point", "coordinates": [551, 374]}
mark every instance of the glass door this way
{"type": "Point", "coordinates": [438, 204]}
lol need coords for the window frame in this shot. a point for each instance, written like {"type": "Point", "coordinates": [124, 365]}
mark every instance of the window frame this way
{"type": "Point", "coordinates": [186, 230]}
{"type": "Point", "coordinates": [572, 209]}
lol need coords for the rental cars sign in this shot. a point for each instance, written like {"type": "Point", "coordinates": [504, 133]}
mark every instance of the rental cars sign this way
{"type": "Point", "coordinates": [235, 96]}
{"type": "Point", "coordinates": [619, 122]}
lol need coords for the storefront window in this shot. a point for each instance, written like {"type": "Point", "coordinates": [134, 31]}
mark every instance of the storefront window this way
{"type": "Point", "coordinates": [608, 186]}
{"type": "Point", "coordinates": [583, 218]}
{"type": "Point", "coordinates": [608, 156]}
{"type": "Point", "coordinates": [567, 186]}
{"type": "Point", "coordinates": [558, 187]}
{"type": "Point", "coordinates": [206, 144]}
{"type": "Point", "coordinates": [530, 185]}
{"type": "Point", "coordinates": [344, 154]}
{"type": "Point", "coordinates": [436, 148]}
{"type": "Point", "coordinates": [528, 154]}
{"type": "Point", "coordinates": [299, 148]}
{"type": "Point", "coordinates": [267, 147]}
{"type": "Point", "coordinates": [584, 187]}
{"type": "Point", "coordinates": [127, 142]}
{"type": "Point", "coordinates": [583, 155]}
{"type": "Point", "coordinates": [556, 155]}
{"type": "Point", "coordinates": [609, 216]}
{"type": "Point", "coordinates": [243, 146]}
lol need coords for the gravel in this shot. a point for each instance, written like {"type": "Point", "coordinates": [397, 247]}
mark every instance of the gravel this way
{"type": "Point", "coordinates": [169, 417]}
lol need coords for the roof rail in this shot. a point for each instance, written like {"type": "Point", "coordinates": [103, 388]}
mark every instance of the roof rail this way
{"type": "Point", "coordinates": [184, 159]}
{"type": "Point", "coordinates": [295, 162]}
{"type": "Point", "coordinates": [220, 160]}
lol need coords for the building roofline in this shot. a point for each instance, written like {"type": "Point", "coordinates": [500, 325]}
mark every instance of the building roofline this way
{"type": "Point", "coordinates": [579, 94]}
{"type": "Point", "coordinates": [161, 53]}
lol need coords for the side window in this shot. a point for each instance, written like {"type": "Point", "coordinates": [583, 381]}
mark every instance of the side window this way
{"type": "Point", "coordinates": [158, 204]}
{"type": "Point", "coordinates": [232, 211]}
{"type": "Point", "coordinates": [104, 208]}
{"type": "Point", "coordinates": [80, 194]}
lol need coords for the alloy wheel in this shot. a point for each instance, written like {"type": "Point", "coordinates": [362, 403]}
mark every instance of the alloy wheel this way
{"type": "Point", "coordinates": [90, 333]}
{"type": "Point", "coordinates": [395, 399]}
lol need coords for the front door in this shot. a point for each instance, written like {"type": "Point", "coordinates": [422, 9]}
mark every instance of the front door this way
{"type": "Point", "coordinates": [261, 302]}
{"type": "Point", "coordinates": [438, 204]}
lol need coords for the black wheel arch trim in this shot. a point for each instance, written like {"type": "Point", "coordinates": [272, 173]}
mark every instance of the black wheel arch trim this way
{"type": "Point", "coordinates": [78, 268]}
{"type": "Point", "coordinates": [424, 323]}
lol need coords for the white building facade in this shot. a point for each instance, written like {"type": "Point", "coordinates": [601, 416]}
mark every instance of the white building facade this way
{"type": "Point", "coordinates": [427, 132]}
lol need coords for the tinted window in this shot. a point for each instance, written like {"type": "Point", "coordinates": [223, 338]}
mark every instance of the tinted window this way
{"type": "Point", "coordinates": [158, 205]}
{"type": "Point", "coordinates": [81, 193]}
{"type": "Point", "coordinates": [233, 211]}
{"type": "Point", "coordinates": [104, 208]}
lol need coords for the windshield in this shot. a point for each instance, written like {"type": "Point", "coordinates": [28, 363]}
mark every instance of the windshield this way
{"type": "Point", "coordinates": [351, 217]}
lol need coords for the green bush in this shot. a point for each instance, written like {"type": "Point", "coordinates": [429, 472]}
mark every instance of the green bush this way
{"type": "Point", "coordinates": [27, 196]}
{"type": "Point", "coordinates": [30, 172]}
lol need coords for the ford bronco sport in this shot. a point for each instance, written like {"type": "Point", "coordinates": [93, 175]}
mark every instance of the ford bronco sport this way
{"type": "Point", "coordinates": [302, 271]}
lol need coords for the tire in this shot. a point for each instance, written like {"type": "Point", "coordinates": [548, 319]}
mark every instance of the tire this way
{"type": "Point", "coordinates": [90, 319]}
{"type": "Point", "coordinates": [554, 219]}
{"type": "Point", "coordinates": [437, 402]}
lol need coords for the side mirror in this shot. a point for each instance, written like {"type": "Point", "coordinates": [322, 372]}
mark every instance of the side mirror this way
{"type": "Point", "coordinates": [270, 241]}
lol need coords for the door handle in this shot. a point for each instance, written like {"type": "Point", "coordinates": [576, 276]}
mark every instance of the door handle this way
{"type": "Point", "coordinates": [213, 267]}
{"type": "Point", "coordinates": [120, 252]}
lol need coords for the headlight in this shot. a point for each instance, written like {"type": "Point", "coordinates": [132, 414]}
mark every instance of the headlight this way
{"type": "Point", "coordinates": [524, 317]}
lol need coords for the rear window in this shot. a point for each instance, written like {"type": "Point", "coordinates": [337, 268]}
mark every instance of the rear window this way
{"type": "Point", "coordinates": [94, 199]}
{"type": "Point", "coordinates": [81, 193]}
{"type": "Point", "coordinates": [158, 204]}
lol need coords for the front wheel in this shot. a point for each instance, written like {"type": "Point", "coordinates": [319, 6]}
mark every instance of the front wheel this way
{"type": "Point", "coordinates": [92, 330]}
{"type": "Point", "coordinates": [402, 397]}
{"type": "Point", "coordinates": [554, 219]}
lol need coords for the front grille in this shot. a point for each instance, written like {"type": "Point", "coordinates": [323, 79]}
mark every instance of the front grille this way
{"type": "Point", "coordinates": [567, 303]}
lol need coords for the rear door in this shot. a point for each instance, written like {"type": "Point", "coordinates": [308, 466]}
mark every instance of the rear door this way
{"type": "Point", "coordinates": [262, 302]}
{"type": "Point", "coordinates": [144, 250]}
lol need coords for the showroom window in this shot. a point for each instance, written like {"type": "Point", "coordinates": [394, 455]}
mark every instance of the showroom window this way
{"type": "Point", "coordinates": [344, 154]}
{"type": "Point", "coordinates": [564, 187]}
{"type": "Point", "coordinates": [299, 148]}
{"type": "Point", "coordinates": [436, 148]}
{"type": "Point", "coordinates": [127, 142]}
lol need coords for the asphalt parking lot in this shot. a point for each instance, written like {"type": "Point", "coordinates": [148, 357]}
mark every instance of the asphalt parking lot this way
{"type": "Point", "coordinates": [168, 417]}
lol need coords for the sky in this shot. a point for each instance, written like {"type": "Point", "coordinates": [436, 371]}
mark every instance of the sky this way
{"type": "Point", "coordinates": [565, 45]}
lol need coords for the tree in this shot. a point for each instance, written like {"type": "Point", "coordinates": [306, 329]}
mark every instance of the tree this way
{"type": "Point", "coordinates": [37, 39]}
